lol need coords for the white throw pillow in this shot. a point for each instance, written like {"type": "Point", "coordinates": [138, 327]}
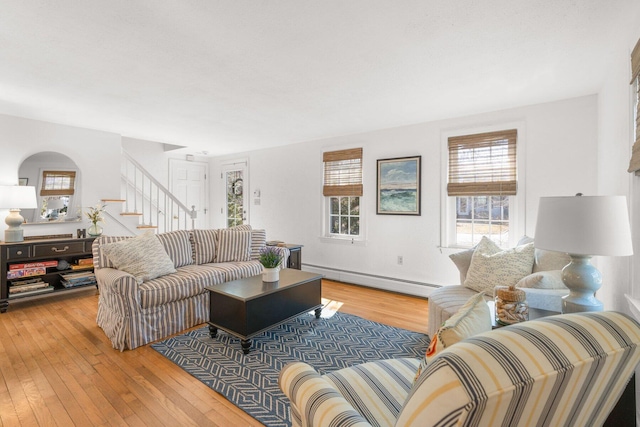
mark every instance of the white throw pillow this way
{"type": "Point", "coordinates": [543, 280]}
{"type": "Point", "coordinates": [143, 256]}
{"type": "Point", "coordinates": [473, 318]}
{"type": "Point", "coordinates": [491, 266]}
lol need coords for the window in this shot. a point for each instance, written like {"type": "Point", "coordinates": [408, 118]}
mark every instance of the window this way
{"type": "Point", "coordinates": [634, 163]}
{"type": "Point", "coordinates": [482, 177]}
{"type": "Point", "coordinates": [342, 188]}
{"type": "Point", "coordinates": [56, 192]}
{"type": "Point", "coordinates": [58, 183]}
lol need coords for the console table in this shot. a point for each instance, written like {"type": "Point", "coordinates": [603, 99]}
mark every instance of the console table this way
{"type": "Point", "coordinates": [35, 258]}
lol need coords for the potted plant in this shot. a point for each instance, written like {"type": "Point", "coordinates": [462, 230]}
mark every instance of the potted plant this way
{"type": "Point", "coordinates": [270, 259]}
{"type": "Point", "coordinates": [95, 216]}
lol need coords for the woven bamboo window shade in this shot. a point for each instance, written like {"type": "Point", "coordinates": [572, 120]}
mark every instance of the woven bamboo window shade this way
{"type": "Point", "coordinates": [342, 172]}
{"type": "Point", "coordinates": [58, 183]}
{"type": "Point", "coordinates": [634, 163]}
{"type": "Point", "coordinates": [483, 164]}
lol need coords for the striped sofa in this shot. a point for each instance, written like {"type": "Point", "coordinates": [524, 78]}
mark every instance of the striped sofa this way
{"type": "Point", "coordinates": [564, 370]}
{"type": "Point", "coordinates": [133, 314]}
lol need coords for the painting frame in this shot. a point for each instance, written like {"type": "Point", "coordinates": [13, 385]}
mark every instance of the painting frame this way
{"type": "Point", "coordinates": [399, 186]}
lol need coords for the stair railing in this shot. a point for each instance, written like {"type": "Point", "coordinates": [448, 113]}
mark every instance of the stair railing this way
{"type": "Point", "coordinates": [147, 198]}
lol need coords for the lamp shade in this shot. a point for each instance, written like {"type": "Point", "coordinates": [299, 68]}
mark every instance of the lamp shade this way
{"type": "Point", "coordinates": [18, 197]}
{"type": "Point", "coordinates": [584, 225]}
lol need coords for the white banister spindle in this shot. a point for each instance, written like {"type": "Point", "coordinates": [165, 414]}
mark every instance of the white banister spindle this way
{"type": "Point", "coordinates": [152, 200]}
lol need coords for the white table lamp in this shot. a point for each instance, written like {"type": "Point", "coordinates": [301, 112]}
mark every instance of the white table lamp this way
{"type": "Point", "coordinates": [14, 198]}
{"type": "Point", "coordinates": [583, 226]}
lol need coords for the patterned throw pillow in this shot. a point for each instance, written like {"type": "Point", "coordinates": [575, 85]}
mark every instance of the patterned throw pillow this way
{"type": "Point", "coordinates": [473, 318]}
{"type": "Point", "coordinates": [143, 257]}
{"type": "Point", "coordinates": [233, 246]}
{"type": "Point", "coordinates": [491, 266]}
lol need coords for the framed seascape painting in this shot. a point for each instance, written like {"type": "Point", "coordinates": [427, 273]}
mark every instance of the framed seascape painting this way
{"type": "Point", "coordinates": [399, 186]}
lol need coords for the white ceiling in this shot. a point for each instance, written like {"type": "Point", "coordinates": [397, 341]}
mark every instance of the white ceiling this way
{"type": "Point", "coordinates": [229, 76]}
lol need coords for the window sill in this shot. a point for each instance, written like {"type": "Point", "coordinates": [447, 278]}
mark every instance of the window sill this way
{"type": "Point", "coordinates": [343, 241]}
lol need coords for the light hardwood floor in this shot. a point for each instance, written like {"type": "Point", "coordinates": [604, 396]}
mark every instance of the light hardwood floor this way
{"type": "Point", "coordinates": [58, 368]}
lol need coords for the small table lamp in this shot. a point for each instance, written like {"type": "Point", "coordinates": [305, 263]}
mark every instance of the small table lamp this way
{"type": "Point", "coordinates": [14, 198]}
{"type": "Point", "coordinates": [583, 226]}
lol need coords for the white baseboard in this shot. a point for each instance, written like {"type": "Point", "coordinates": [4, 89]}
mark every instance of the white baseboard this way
{"type": "Point", "coordinates": [408, 287]}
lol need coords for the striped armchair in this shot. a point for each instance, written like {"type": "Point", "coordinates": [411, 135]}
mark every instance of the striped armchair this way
{"type": "Point", "coordinates": [565, 370]}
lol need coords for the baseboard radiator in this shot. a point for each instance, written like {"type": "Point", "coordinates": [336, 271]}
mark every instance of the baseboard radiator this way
{"type": "Point", "coordinates": [408, 287]}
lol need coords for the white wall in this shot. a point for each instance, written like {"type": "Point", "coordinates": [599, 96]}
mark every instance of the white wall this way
{"type": "Point", "coordinates": [96, 153]}
{"type": "Point", "coordinates": [561, 159]}
{"type": "Point", "coordinates": [620, 274]}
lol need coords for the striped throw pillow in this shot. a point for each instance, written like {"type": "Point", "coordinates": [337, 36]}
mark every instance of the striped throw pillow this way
{"type": "Point", "coordinates": [233, 246]}
{"type": "Point", "coordinates": [178, 247]}
{"type": "Point", "coordinates": [204, 245]}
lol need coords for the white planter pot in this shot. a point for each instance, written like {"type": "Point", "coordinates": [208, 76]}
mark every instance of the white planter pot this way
{"type": "Point", "coordinates": [270, 274]}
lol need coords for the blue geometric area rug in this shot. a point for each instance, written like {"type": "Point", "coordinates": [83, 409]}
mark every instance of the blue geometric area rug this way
{"type": "Point", "coordinates": [251, 381]}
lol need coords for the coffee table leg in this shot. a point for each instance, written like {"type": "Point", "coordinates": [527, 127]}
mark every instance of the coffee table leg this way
{"type": "Point", "coordinates": [246, 345]}
{"type": "Point", "coordinates": [318, 311]}
{"type": "Point", "coordinates": [213, 331]}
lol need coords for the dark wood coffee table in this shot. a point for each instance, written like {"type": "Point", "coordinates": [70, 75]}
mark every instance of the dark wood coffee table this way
{"type": "Point", "coordinates": [247, 307]}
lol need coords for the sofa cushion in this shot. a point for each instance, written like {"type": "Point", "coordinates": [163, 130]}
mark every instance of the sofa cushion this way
{"type": "Point", "coordinates": [491, 266]}
{"type": "Point", "coordinates": [543, 280]}
{"type": "Point", "coordinates": [142, 256]}
{"type": "Point", "coordinates": [462, 260]}
{"type": "Point", "coordinates": [177, 244]}
{"type": "Point", "coordinates": [546, 260]}
{"type": "Point", "coordinates": [204, 245]}
{"type": "Point", "coordinates": [237, 270]}
{"type": "Point", "coordinates": [187, 281]}
{"type": "Point", "coordinates": [233, 245]}
{"type": "Point", "coordinates": [361, 386]}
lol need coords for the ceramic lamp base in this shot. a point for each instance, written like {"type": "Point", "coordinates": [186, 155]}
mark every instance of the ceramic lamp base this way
{"type": "Point", "coordinates": [583, 280]}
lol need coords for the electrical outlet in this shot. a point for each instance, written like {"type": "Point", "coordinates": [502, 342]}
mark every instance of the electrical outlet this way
{"type": "Point", "coordinates": [400, 259]}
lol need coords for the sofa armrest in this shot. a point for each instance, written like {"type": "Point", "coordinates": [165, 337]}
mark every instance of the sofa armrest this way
{"type": "Point", "coordinates": [314, 401]}
{"type": "Point", "coordinates": [284, 253]}
{"type": "Point", "coordinates": [119, 289]}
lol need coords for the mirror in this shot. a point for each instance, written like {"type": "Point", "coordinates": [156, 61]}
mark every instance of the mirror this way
{"type": "Point", "coordinates": [56, 178]}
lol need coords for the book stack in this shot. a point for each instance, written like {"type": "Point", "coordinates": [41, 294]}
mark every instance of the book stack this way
{"type": "Point", "coordinates": [26, 287]}
{"type": "Point", "coordinates": [30, 269]}
{"type": "Point", "coordinates": [81, 278]}
{"type": "Point", "coordinates": [83, 264]}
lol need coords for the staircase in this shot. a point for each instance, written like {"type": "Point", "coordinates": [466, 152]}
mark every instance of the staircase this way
{"type": "Point", "coordinates": [146, 203]}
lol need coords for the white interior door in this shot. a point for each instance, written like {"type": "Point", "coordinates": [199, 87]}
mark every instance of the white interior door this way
{"type": "Point", "coordinates": [235, 180]}
{"type": "Point", "coordinates": [188, 183]}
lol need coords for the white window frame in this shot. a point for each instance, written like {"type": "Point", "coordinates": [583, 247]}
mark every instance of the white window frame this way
{"type": "Point", "coordinates": [517, 204]}
{"type": "Point", "coordinates": [326, 235]}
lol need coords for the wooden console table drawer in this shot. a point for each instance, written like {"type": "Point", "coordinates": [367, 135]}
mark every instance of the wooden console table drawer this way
{"type": "Point", "coordinates": [17, 252]}
{"type": "Point", "coordinates": [58, 248]}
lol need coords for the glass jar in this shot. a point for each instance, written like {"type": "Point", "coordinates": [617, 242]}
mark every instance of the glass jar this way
{"type": "Point", "coordinates": [511, 305]}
